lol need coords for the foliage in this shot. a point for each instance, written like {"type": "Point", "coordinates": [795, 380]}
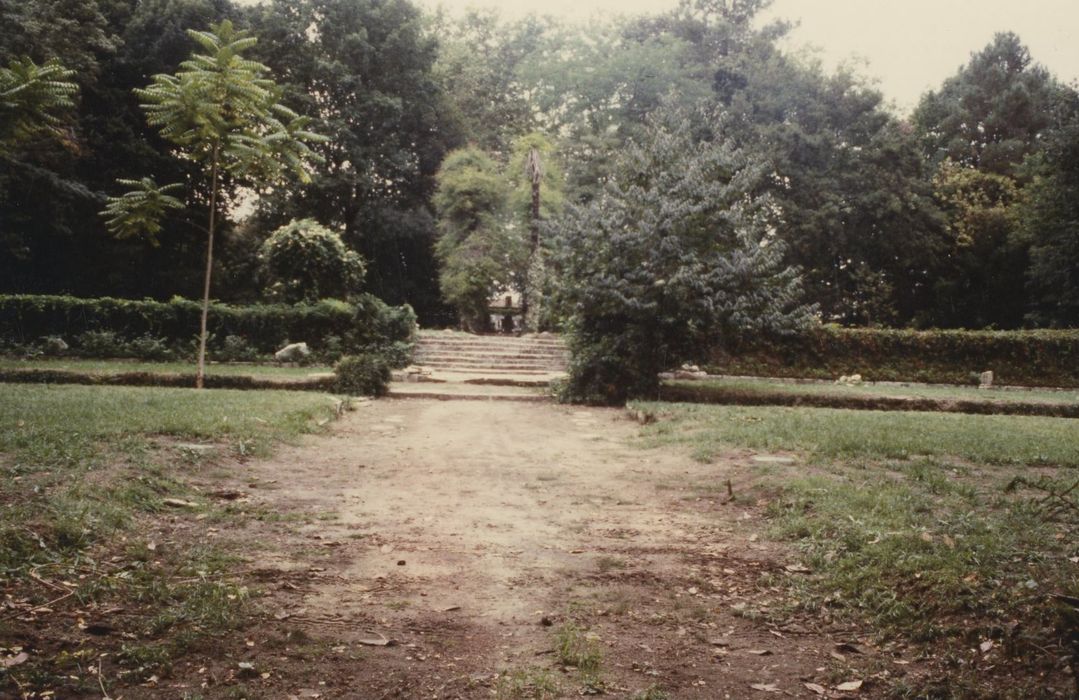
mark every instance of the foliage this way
{"type": "Point", "coordinates": [34, 100]}
{"type": "Point", "coordinates": [478, 251]}
{"type": "Point", "coordinates": [1032, 358]}
{"type": "Point", "coordinates": [140, 211]}
{"type": "Point", "coordinates": [675, 253]}
{"type": "Point", "coordinates": [263, 328]}
{"type": "Point", "coordinates": [363, 375]}
{"type": "Point", "coordinates": [306, 261]}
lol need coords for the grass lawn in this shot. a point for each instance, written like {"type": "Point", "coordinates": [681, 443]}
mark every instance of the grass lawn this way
{"type": "Point", "coordinates": [949, 532]}
{"type": "Point", "coordinates": [82, 468]}
{"type": "Point", "coordinates": [945, 393]}
{"type": "Point", "coordinates": [119, 366]}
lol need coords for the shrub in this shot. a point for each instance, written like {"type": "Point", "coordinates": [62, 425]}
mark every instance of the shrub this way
{"type": "Point", "coordinates": [307, 262]}
{"type": "Point", "coordinates": [365, 375]}
{"type": "Point", "coordinates": [236, 349]}
{"type": "Point", "coordinates": [147, 347]}
{"type": "Point", "coordinates": [100, 344]}
{"type": "Point", "coordinates": [107, 327]}
{"type": "Point", "coordinates": [1033, 358]}
{"type": "Point", "coordinates": [53, 345]}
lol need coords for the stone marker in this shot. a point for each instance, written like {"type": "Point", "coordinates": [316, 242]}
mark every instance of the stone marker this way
{"type": "Point", "coordinates": [293, 352]}
{"type": "Point", "coordinates": [985, 381]}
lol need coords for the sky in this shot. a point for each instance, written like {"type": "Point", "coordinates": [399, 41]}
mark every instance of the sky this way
{"type": "Point", "coordinates": [907, 46]}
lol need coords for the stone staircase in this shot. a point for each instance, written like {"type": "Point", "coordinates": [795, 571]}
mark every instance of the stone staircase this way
{"type": "Point", "coordinates": [464, 353]}
{"type": "Point", "coordinates": [462, 363]}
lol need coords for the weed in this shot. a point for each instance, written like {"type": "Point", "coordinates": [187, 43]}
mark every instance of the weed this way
{"type": "Point", "coordinates": [573, 647]}
{"type": "Point", "coordinates": [528, 684]}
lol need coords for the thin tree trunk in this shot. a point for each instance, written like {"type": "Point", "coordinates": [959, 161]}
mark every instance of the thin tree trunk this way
{"type": "Point", "coordinates": [201, 373]}
{"type": "Point", "coordinates": [534, 172]}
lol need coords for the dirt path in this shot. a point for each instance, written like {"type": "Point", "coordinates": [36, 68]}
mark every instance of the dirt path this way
{"type": "Point", "coordinates": [471, 533]}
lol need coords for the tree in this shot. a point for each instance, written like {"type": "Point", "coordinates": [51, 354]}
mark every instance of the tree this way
{"type": "Point", "coordinates": [857, 212]}
{"type": "Point", "coordinates": [306, 261]}
{"type": "Point", "coordinates": [676, 254]}
{"type": "Point", "coordinates": [223, 114]}
{"type": "Point", "coordinates": [980, 275]}
{"type": "Point", "coordinates": [477, 248]}
{"type": "Point", "coordinates": [989, 114]}
{"type": "Point", "coordinates": [537, 186]}
{"type": "Point", "coordinates": [1048, 220]}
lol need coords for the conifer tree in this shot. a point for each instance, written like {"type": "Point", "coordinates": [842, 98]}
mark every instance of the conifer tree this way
{"type": "Point", "coordinates": [675, 254]}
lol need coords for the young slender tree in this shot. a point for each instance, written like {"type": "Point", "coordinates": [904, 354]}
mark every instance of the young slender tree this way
{"type": "Point", "coordinates": [222, 112]}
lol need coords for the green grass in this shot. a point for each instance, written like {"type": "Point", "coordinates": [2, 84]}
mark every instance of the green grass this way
{"type": "Point", "coordinates": [528, 684]}
{"type": "Point", "coordinates": [914, 522]}
{"type": "Point", "coordinates": [835, 433]}
{"type": "Point", "coordinates": [965, 393]}
{"type": "Point", "coordinates": [83, 468]}
{"type": "Point", "coordinates": [122, 366]}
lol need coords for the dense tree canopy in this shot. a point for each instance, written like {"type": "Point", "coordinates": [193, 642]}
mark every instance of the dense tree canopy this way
{"type": "Point", "coordinates": [958, 214]}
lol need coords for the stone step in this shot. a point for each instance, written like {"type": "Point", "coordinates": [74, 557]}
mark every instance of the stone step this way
{"type": "Point", "coordinates": [494, 342]}
{"type": "Point", "coordinates": [422, 357]}
{"type": "Point", "coordinates": [494, 348]}
{"type": "Point", "coordinates": [458, 369]}
{"type": "Point", "coordinates": [493, 352]}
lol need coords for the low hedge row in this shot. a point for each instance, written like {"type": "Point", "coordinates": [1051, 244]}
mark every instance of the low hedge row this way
{"type": "Point", "coordinates": [366, 322]}
{"type": "Point", "coordinates": [1028, 358]}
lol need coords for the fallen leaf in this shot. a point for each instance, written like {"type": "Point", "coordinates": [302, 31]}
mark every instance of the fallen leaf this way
{"type": "Point", "coordinates": [19, 658]}
{"type": "Point", "coordinates": [818, 689]}
{"type": "Point", "coordinates": [849, 686]}
{"type": "Point", "coordinates": [986, 646]}
{"type": "Point", "coordinates": [797, 568]}
{"type": "Point", "coordinates": [765, 687]}
{"type": "Point", "coordinates": [759, 652]}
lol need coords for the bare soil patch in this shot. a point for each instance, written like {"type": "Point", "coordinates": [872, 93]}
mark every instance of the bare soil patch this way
{"type": "Point", "coordinates": [470, 535]}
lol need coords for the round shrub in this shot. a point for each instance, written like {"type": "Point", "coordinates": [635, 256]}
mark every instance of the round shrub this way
{"type": "Point", "coordinates": [362, 375]}
{"type": "Point", "coordinates": [306, 261]}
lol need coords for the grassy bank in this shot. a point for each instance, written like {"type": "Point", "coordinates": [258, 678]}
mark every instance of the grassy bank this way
{"type": "Point", "coordinates": [86, 470]}
{"type": "Point", "coordinates": [952, 533]}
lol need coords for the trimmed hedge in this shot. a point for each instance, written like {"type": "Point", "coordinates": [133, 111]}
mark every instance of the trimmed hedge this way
{"type": "Point", "coordinates": [368, 322]}
{"type": "Point", "coordinates": [1027, 358]}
